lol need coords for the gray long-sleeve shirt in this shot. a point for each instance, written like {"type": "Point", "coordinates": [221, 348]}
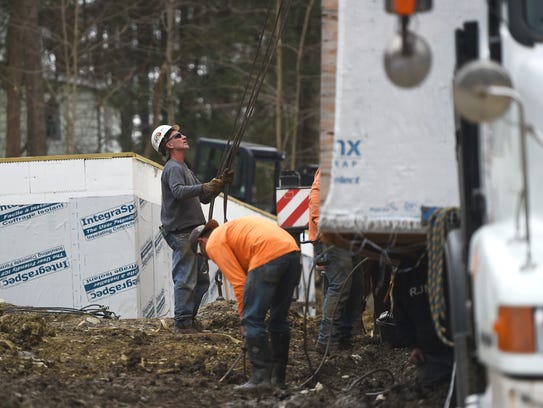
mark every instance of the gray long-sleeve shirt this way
{"type": "Point", "coordinates": [181, 198]}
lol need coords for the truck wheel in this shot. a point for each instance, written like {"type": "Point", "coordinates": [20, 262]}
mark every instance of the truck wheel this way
{"type": "Point", "coordinates": [468, 372]}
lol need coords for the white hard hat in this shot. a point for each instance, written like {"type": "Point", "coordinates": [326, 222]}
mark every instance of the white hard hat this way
{"type": "Point", "coordinates": [158, 136]}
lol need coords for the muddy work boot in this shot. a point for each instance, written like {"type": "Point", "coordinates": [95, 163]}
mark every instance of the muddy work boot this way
{"type": "Point", "coordinates": [259, 355]}
{"type": "Point", "coordinates": [280, 343]}
{"type": "Point", "coordinates": [180, 329]}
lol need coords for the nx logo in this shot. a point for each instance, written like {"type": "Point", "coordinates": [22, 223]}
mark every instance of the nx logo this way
{"type": "Point", "coordinates": [349, 147]}
{"type": "Point", "coordinates": [347, 153]}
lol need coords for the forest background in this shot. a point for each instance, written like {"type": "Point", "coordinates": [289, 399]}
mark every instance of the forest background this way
{"type": "Point", "coordinates": [195, 63]}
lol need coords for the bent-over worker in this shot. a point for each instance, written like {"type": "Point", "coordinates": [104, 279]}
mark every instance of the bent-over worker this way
{"type": "Point", "coordinates": [262, 262]}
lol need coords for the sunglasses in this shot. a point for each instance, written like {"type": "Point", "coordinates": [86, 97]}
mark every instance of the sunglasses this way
{"type": "Point", "coordinates": [177, 135]}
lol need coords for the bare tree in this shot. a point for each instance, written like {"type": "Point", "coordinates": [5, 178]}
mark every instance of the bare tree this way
{"type": "Point", "coordinates": [164, 76]}
{"type": "Point", "coordinates": [15, 79]}
{"type": "Point", "coordinates": [148, 64]}
{"type": "Point", "coordinates": [33, 79]}
{"type": "Point", "coordinates": [170, 13]}
{"type": "Point", "coordinates": [299, 55]}
{"type": "Point", "coordinates": [279, 83]}
{"type": "Point", "coordinates": [25, 77]}
{"type": "Point", "coordinates": [71, 46]}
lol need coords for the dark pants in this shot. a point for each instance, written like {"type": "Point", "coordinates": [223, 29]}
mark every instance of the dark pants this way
{"type": "Point", "coordinates": [270, 287]}
{"type": "Point", "coordinates": [190, 279]}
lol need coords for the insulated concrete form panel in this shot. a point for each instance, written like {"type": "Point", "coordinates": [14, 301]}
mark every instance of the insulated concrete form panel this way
{"type": "Point", "coordinates": [35, 256]}
{"type": "Point", "coordinates": [56, 176]}
{"type": "Point", "coordinates": [79, 234]}
{"type": "Point", "coordinates": [97, 242]}
{"type": "Point", "coordinates": [100, 177]}
{"type": "Point", "coordinates": [15, 180]}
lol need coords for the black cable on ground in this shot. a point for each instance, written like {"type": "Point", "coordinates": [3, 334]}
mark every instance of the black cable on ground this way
{"type": "Point", "coordinates": [357, 380]}
{"type": "Point", "coordinates": [93, 310]}
{"type": "Point", "coordinates": [240, 355]}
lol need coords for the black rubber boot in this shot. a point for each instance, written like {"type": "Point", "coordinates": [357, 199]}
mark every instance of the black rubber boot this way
{"type": "Point", "coordinates": [280, 343]}
{"type": "Point", "coordinates": [259, 355]}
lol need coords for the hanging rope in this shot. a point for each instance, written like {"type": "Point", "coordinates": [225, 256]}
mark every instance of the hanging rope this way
{"type": "Point", "coordinates": [441, 222]}
{"type": "Point", "coordinates": [246, 109]}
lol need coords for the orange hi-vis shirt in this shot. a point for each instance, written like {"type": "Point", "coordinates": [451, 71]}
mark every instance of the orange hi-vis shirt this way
{"type": "Point", "coordinates": [314, 206]}
{"type": "Point", "coordinates": [243, 244]}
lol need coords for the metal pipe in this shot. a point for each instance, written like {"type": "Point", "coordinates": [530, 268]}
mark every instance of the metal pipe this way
{"type": "Point", "coordinates": [511, 93]}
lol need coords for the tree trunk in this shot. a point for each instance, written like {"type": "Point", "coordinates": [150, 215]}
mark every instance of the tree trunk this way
{"type": "Point", "coordinates": [33, 78]}
{"type": "Point", "coordinates": [156, 108]}
{"type": "Point", "coordinates": [170, 11]}
{"type": "Point", "coordinates": [15, 79]}
{"type": "Point", "coordinates": [71, 46]}
{"type": "Point", "coordinates": [126, 130]}
{"type": "Point", "coordinates": [295, 125]}
{"type": "Point", "coordinates": [163, 78]}
{"type": "Point", "coordinates": [279, 84]}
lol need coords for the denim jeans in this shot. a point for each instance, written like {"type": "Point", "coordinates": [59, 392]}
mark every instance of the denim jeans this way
{"type": "Point", "coordinates": [190, 279]}
{"type": "Point", "coordinates": [337, 318]}
{"type": "Point", "coordinates": [270, 287]}
{"type": "Point", "coordinates": [355, 303]}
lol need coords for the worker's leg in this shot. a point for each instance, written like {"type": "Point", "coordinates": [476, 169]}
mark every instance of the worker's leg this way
{"type": "Point", "coordinates": [279, 325]}
{"type": "Point", "coordinates": [258, 293]}
{"type": "Point", "coordinates": [352, 311]}
{"type": "Point", "coordinates": [202, 283]}
{"type": "Point", "coordinates": [339, 286]}
{"type": "Point", "coordinates": [185, 277]}
{"type": "Point", "coordinates": [261, 288]}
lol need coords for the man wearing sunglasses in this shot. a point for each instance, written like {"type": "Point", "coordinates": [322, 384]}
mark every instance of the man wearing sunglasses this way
{"type": "Point", "coordinates": [181, 212]}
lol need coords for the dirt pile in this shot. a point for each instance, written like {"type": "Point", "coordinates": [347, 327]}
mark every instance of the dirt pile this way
{"type": "Point", "coordinates": [80, 360]}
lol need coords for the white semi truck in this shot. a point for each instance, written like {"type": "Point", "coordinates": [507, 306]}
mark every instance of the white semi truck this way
{"type": "Point", "coordinates": [502, 89]}
{"type": "Point", "coordinates": [439, 105]}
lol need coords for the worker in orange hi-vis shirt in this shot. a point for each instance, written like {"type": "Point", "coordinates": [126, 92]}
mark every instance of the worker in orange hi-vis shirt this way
{"type": "Point", "coordinates": [262, 262]}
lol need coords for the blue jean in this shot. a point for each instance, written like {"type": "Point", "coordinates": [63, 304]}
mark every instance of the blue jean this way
{"type": "Point", "coordinates": [337, 308]}
{"type": "Point", "coordinates": [190, 279]}
{"type": "Point", "coordinates": [270, 287]}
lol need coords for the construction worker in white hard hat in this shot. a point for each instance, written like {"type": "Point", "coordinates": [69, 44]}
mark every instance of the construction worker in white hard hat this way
{"type": "Point", "coordinates": [181, 212]}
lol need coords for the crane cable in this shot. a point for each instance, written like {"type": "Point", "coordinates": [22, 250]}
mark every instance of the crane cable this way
{"type": "Point", "coordinates": [242, 115]}
{"type": "Point", "coordinates": [245, 114]}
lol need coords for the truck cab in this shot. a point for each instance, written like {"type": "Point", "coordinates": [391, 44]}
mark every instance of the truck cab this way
{"type": "Point", "coordinates": [257, 169]}
{"type": "Point", "coordinates": [503, 85]}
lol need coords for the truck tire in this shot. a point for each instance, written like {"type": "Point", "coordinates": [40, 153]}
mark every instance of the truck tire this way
{"type": "Point", "coordinates": [468, 372]}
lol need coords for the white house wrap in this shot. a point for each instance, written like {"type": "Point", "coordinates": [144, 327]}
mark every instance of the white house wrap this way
{"type": "Point", "coordinates": [394, 148]}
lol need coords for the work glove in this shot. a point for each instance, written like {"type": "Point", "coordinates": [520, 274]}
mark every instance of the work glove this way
{"type": "Point", "coordinates": [227, 176]}
{"type": "Point", "coordinates": [213, 187]}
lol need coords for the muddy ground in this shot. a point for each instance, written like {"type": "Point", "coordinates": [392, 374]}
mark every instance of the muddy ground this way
{"type": "Point", "coordinates": [86, 360]}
